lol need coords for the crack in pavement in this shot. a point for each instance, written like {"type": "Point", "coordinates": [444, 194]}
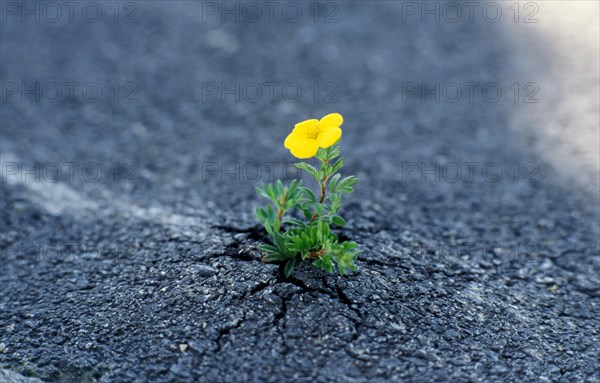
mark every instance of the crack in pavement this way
{"type": "Point", "coordinates": [226, 330]}
{"type": "Point", "coordinates": [236, 250]}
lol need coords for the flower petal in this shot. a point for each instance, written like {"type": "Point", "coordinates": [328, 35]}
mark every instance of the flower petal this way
{"type": "Point", "coordinates": [304, 148]}
{"type": "Point", "coordinates": [333, 119]}
{"type": "Point", "coordinates": [329, 137]}
{"type": "Point", "coordinates": [304, 126]}
{"type": "Point", "coordinates": [289, 140]}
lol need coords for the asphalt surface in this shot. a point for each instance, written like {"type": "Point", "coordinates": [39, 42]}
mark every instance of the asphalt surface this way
{"type": "Point", "coordinates": [136, 261]}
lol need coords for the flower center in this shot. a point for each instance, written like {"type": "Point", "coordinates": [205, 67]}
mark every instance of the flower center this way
{"type": "Point", "coordinates": [313, 132]}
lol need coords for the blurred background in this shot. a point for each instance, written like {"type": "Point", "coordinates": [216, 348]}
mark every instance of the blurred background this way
{"type": "Point", "coordinates": [180, 93]}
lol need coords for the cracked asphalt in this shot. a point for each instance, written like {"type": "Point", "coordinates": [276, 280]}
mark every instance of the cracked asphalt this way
{"type": "Point", "coordinates": [131, 141]}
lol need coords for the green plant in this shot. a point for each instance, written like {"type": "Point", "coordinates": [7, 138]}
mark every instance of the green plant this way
{"type": "Point", "coordinates": [311, 238]}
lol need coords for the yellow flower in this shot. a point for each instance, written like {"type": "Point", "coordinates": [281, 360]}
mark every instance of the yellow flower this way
{"type": "Point", "coordinates": [309, 135]}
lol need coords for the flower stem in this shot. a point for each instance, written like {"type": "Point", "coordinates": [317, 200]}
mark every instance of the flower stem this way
{"type": "Point", "coordinates": [281, 211]}
{"type": "Point", "coordinates": [323, 187]}
{"type": "Point", "coordinates": [279, 216]}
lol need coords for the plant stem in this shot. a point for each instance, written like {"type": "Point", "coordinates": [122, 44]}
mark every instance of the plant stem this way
{"type": "Point", "coordinates": [323, 187]}
{"type": "Point", "coordinates": [281, 211]}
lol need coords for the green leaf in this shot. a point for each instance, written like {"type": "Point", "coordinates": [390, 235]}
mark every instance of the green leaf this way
{"type": "Point", "coordinates": [308, 193]}
{"type": "Point", "coordinates": [265, 216]}
{"type": "Point", "coordinates": [328, 154]}
{"type": "Point", "coordinates": [261, 214]}
{"type": "Point", "coordinates": [319, 177]}
{"type": "Point", "coordinates": [306, 238]}
{"type": "Point", "coordinates": [319, 209]}
{"type": "Point", "coordinates": [348, 181]}
{"type": "Point", "coordinates": [261, 192]}
{"type": "Point", "coordinates": [334, 152]}
{"type": "Point", "coordinates": [297, 240]}
{"type": "Point", "coordinates": [347, 246]}
{"type": "Point", "coordinates": [279, 241]}
{"type": "Point", "coordinates": [338, 165]}
{"type": "Point", "coordinates": [338, 221]}
{"type": "Point", "coordinates": [294, 221]}
{"type": "Point", "coordinates": [309, 168]}
{"type": "Point", "coordinates": [293, 186]}
{"type": "Point", "coordinates": [346, 262]}
{"type": "Point", "coordinates": [267, 248]}
{"type": "Point", "coordinates": [289, 267]}
{"type": "Point", "coordinates": [274, 257]}
{"type": "Point", "coordinates": [269, 227]}
{"type": "Point", "coordinates": [324, 263]}
{"type": "Point", "coordinates": [314, 234]}
{"type": "Point", "coordinates": [271, 192]}
{"type": "Point", "coordinates": [320, 232]}
{"type": "Point", "coordinates": [307, 213]}
{"type": "Point", "coordinates": [336, 202]}
{"type": "Point", "coordinates": [323, 230]}
{"type": "Point", "coordinates": [333, 183]}
{"type": "Point", "coordinates": [321, 153]}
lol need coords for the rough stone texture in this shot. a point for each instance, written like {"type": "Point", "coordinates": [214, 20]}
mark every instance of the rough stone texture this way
{"type": "Point", "coordinates": [159, 279]}
{"type": "Point", "coordinates": [7, 376]}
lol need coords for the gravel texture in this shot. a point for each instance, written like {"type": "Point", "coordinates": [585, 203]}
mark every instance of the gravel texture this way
{"type": "Point", "coordinates": [151, 273]}
{"type": "Point", "coordinates": [13, 377]}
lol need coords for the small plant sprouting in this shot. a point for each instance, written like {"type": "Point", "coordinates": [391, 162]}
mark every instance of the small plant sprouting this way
{"type": "Point", "coordinates": [310, 239]}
